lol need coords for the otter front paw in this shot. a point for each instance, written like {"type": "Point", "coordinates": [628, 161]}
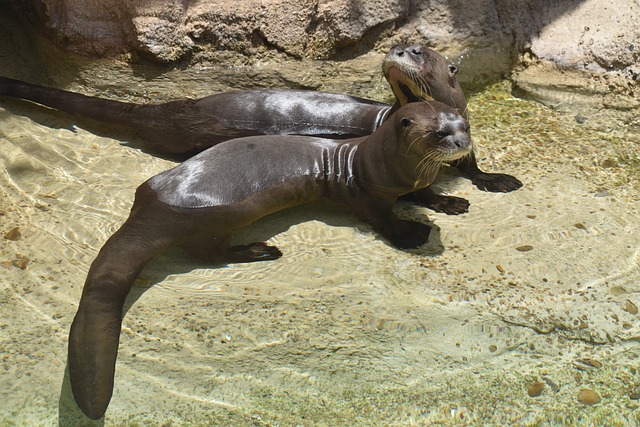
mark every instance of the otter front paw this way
{"type": "Point", "coordinates": [449, 205]}
{"type": "Point", "coordinates": [496, 182]}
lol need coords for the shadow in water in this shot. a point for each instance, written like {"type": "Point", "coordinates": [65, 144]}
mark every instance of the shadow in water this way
{"type": "Point", "coordinates": [277, 223]}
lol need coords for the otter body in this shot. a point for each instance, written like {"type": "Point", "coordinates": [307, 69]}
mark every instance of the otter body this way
{"type": "Point", "coordinates": [200, 204]}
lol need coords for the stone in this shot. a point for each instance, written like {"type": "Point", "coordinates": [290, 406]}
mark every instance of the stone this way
{"type": "Point", "coordinates": [535, 388]}
{"type": "Point", "coordinates": [13, 234]}
{"type": "Point", "coordinates": [587, 396]}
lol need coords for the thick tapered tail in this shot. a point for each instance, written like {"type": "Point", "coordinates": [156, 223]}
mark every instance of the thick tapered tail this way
{"type": "Point", "coordinates": [95, 331]}
{"type": "Point", "coordinates": [104, 110]}
{"type": "Point", "coordinates": [93, 349]}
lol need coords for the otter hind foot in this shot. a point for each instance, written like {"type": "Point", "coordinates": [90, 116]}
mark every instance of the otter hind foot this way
{"type": "Point", "coordinates": [410, 234]}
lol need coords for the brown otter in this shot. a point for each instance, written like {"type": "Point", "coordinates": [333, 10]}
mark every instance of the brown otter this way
{"type": "Point", "coordinates": [201, 202]}
{"type": "Point", "coordinates": [411, 71]}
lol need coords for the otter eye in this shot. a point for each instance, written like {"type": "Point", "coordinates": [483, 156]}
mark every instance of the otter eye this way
{"type": "Point", "coordinates": [442, 134]}
{"type": "Point", "coordinates": [405, 122]}
{"type": "Point", "coordinates": [453, 70]}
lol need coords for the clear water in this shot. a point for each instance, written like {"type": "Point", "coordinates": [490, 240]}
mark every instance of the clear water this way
{"type": "Point", "coordinates": [343, 330]}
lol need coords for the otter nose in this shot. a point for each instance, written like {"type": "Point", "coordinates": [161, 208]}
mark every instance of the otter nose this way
{"type": "Point", "coordinates": [398, 50]}
{"type": "Point", "coordinates": [416, 50]}
{"type": "Point", "coordinates": [461, 140]}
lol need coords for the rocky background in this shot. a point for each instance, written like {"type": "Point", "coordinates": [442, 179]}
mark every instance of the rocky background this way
{"type": "Point", "coordinates": [585, 46]}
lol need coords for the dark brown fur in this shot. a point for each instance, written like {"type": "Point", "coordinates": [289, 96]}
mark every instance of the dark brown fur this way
{"type": "Point", "coordinates": [411, 71]}
{"type": "Point", "coordinates": [185, 127]}
{"type": "Point", "coordinates": [200, 203]}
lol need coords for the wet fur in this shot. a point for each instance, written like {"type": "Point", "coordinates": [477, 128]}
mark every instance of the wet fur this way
{"type": "Point", "coordinates": [364, 174]}
{"type": "Point", "coordinates": [182, 128]}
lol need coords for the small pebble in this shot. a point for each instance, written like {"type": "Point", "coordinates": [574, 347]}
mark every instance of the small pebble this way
{"type": "Point", "coordinates": [534, 389]}
{"type": "Point", "coordinates": [552, 385]}
{"type": "Point", "coordinates": [608, 163]}
{"type": "Point", "coordinates": [588, 397]}
{"type": "Point", "coordinates": [524, 248]}
{"type": "Point", "coordinates": [635, 393]}
{"type": "Point", "coordinates": [630, 308]}
{"type": "Point", "coordinates": [21, 263]}
{"type": "Point", "coordinates": [583, 325]}
{"type": "Point", "coordinates": [13, 234]}
{"type": "Point", "coordinates": [592, 362]}
{"type": "Point", "coordinates": [500, 268]}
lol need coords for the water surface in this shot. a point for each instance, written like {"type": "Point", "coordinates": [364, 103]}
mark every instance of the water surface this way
{"type": "Point", "coordinates": [535, 285]}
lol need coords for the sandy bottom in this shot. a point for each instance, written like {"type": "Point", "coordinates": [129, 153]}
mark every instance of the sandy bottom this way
{"type": "Point", "coordinates": [535, 288]}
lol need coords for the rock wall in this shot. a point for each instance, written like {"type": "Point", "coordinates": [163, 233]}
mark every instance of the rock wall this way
{"type": "Point", "coordinates": [170, 30]}
{"type": "Point", "coordinates": [492, 36]}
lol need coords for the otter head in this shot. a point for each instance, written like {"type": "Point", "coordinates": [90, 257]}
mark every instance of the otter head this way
{"type": "Point", "coordinates": [417, 73]}
{"type": "Point", "coordinates": [431, 134]}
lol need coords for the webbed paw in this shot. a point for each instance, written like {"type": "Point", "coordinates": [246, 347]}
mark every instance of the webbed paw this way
{"type": "Point", "coordinates": [495, 182]}
{"type": "Point", "coordinates": [449, 205]}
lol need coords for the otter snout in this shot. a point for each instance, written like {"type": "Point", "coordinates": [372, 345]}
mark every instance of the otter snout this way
{"type": "Point", "coordinates": [455, 146]}
{"type": "Point", "coordinates": [405, 56]}
{"type": "Point", "coordinates": [461, 140]}
{"type": "Point", "coordinates": [454, 141]}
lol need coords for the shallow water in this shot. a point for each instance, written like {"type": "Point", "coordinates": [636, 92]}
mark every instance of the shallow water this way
{"type": "Point", "coordinates": [344, 329]}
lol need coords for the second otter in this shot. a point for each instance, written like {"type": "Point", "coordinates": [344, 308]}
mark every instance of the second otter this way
{"type": "Point", "coordinates": [409, 70]}
{"type": "Point", "coordinates": [185, 127]}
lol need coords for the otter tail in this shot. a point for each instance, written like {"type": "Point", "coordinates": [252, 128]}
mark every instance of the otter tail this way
{"type": "Point", "coordinates": [100, 109]}
{"type": "Point", "coordinates": [95, 331]}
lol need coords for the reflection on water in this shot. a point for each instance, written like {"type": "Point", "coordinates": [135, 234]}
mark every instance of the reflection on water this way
{"type": "Point", "coordinates": [343, 330]}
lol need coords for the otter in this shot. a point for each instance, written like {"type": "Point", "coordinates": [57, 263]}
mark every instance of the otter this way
{"type": "Point", "coordinates": [201, 202]}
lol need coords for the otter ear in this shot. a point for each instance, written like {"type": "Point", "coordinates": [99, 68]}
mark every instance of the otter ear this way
{"type": "Point", "coordinates": [405, 122]}
{"type": "Point", "coordinates": [453, 70]}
